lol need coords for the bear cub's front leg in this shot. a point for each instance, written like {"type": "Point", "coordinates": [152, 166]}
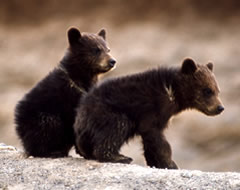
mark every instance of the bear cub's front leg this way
{"type": "Point", "coordinates": [157, 150]}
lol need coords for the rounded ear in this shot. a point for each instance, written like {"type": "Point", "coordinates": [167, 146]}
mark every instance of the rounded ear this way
{"type": "Point", "coordinates": [73, 35]}
{"type": "Point", "coordinates": [102, 33]}
{"type": "Point", "coordinates": [210, 66]}
{"type": "Point", "coordinates": [188, 66]}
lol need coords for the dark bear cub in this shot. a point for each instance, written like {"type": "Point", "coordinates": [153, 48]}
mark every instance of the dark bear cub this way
{"type": "Point", "coordinates": [142, 104]}
{"type": "Point", "coordinates": [44, 117]}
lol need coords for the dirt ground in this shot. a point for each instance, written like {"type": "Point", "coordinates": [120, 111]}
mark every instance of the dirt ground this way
{"type": "Point", "coordinates": [29, 51]}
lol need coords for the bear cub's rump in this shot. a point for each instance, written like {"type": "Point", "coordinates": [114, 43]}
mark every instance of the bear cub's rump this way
{"type": "Point", "coordinates": [142, 104]}
{"type": "Point", "coordinates": [44, 117]}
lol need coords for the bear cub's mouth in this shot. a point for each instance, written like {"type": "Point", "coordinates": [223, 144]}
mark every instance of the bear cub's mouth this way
{"type": "Point", "coordinates": [212, 112]}
{"type": "Point", "coordinates": [111, 65]}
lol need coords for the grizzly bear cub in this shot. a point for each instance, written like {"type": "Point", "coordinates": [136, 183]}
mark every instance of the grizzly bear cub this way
{"type": "Point", "coordinates": [45, 116]}
{"type": "Point", "coordinates": [142, 104]}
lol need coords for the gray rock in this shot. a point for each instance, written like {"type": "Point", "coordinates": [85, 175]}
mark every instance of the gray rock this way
{"type": "Point", "coordinates": [19, 172]}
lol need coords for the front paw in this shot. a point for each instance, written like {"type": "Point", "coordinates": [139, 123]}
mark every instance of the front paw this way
{"type": "Point", "coordinates": [173, 165]}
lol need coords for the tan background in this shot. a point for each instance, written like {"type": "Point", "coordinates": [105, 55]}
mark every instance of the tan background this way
{"type": "Point", "coordinates": [142, 34]}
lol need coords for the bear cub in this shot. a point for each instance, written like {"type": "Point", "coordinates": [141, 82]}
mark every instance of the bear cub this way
{"type": "Point", "coordinates": [45, 116]}
{"type": "Point", "coordinates": [142, 104]}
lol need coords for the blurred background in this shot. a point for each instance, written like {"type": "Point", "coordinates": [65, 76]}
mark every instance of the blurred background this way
{"type": "Point", "coordinates": [142, 34]}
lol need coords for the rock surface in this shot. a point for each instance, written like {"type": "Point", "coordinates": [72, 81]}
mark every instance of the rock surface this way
{"type": "Point", "coordinates": [18, 172]}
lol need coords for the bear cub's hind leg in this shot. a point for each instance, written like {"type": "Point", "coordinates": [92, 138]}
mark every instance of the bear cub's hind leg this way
{"type": "Point", "coordinates": [108, 144]}
{"type": "Point", "coordinates": [103, 139]}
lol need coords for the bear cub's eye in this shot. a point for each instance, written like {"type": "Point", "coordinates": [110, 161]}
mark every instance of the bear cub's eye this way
{"type": "Point", "coordinates": [207, 92]}
{"type": "Point", "coordinates": [96, 50]}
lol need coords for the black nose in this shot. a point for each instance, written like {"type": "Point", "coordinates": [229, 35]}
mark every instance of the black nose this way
{"type": "Point", "coordinates": [220, 109]}
{"type": "Point", "coordinates": [112, 62]}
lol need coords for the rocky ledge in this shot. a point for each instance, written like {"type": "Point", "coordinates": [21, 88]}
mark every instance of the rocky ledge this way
{"type": "Point", "coordinates": [18, 172]}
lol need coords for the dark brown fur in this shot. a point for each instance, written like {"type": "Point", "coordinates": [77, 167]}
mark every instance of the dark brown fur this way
{"type": "Point", "coordinates": [44, 117]}
{"type": "Point", "coordinates": [142, 104]}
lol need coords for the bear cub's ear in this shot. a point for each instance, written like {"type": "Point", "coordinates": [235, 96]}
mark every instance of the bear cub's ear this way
{"type": "Point", "coordinates": [102, 33]}
{"type": "Point", "coordinates": [210, 66]}
{"type": "Point", "coordinates": [188, 66]}
{"type": "Point", "coordinates": [73, 35]}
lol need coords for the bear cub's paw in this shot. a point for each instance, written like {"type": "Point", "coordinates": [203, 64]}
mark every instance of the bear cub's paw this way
{"type": "Point", "coordinates": [173, 165]}
{"type": "Point", "coordinates": [118, 158]}
{"type": "Point", "coordinates": [122, 159]}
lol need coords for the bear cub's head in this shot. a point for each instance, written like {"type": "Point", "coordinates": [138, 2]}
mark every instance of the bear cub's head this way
{"type": "Point", "coordinates": [201, 88]}
{"type": "Point", "coordinates": [88, 52]}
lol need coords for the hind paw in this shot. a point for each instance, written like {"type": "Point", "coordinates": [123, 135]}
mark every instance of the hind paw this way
{"type": "Point", "coordinates": [116, 159]}
{"type": "Point", "coordinates": [123, 159]}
